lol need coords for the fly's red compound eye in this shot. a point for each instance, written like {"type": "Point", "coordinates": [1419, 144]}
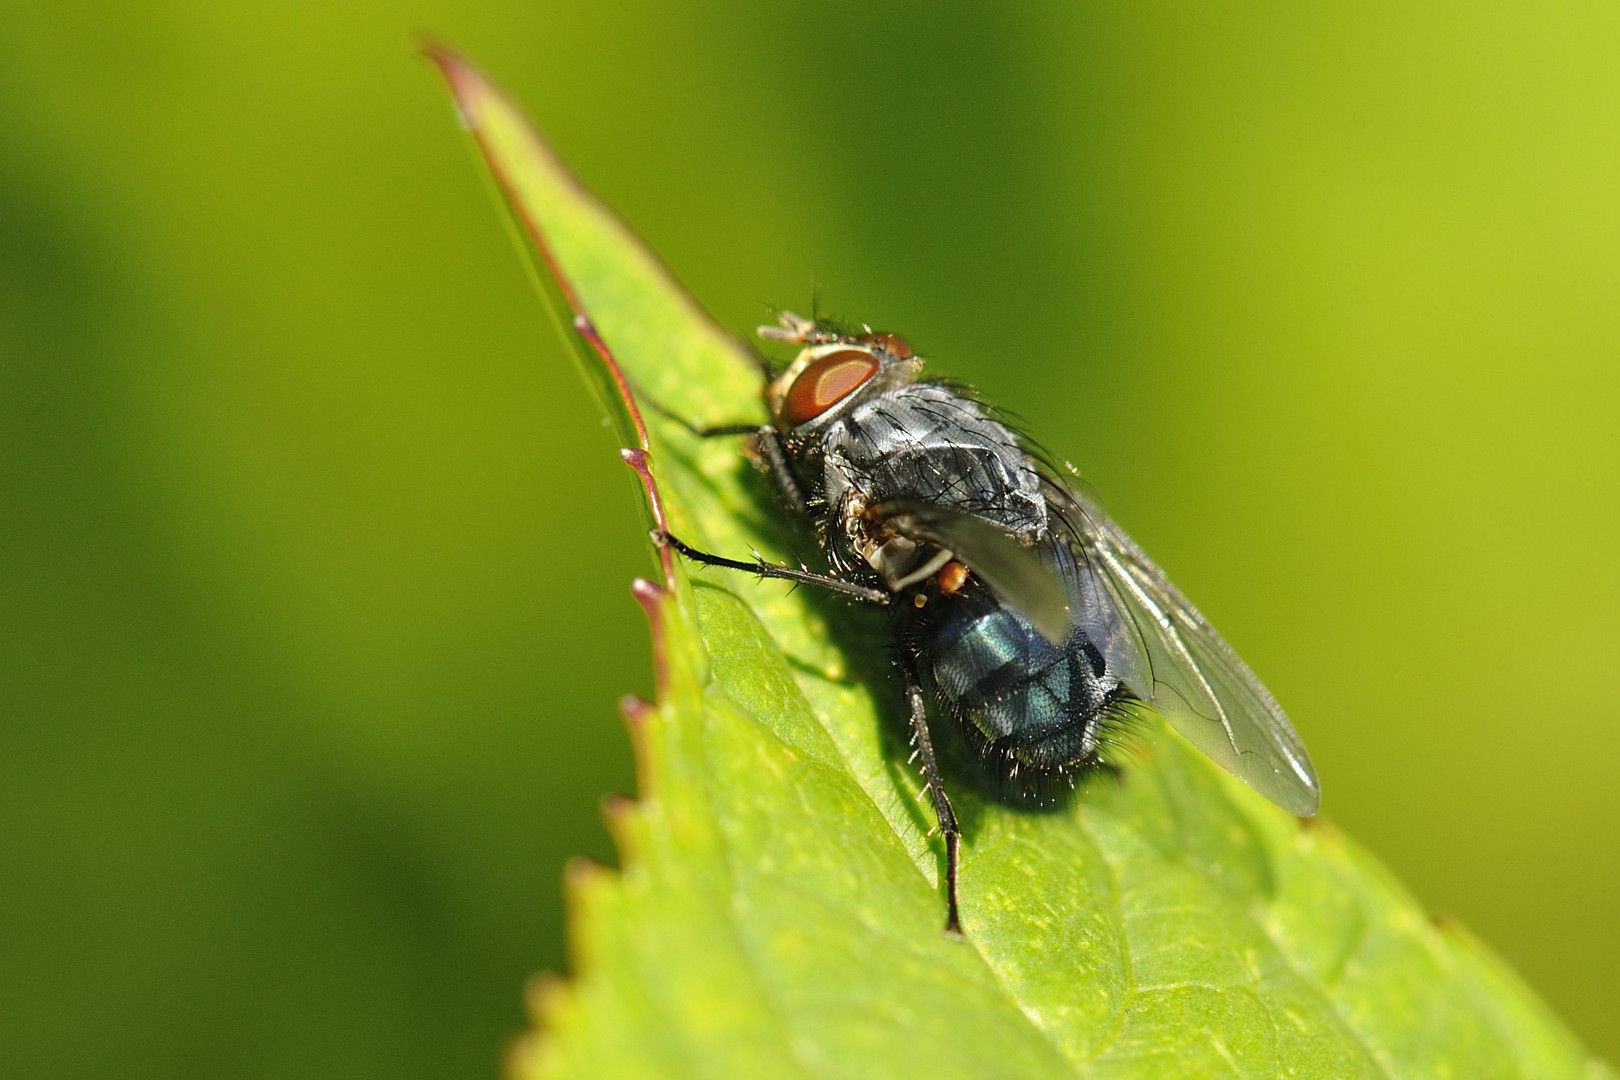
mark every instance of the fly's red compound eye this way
{"type": "Point", "coordinates": [893, 344]}
{"type": "Point", "coordinates": [825, 382]}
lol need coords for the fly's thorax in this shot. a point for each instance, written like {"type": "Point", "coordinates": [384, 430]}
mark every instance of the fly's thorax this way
{"type": "Point", "coordinates": [923, 442]}
{"type": "Point", "coordinates": [861, 431]}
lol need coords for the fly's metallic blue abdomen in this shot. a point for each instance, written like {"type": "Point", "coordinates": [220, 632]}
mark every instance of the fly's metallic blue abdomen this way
{"type": "Point", "coordinates": [1027, 705]}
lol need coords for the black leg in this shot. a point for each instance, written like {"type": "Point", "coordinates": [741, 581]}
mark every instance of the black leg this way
{"type": "Point", "coordinates": [771, 570]}
{"type": "Point", "coordinates": [936, 790]}
{"type": "Point", "coordinates": [770, 446]}
{"type": "Point", "coordinates": [701, 432]}
{"type": "Point", "coordinates": [787, 485]}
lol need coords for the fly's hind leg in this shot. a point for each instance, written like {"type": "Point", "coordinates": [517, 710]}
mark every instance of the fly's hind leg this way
{"type": "Point", "coordinates": [948, 828]}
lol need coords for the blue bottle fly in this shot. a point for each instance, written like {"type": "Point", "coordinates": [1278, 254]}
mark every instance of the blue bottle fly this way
{"type": "Point", "coordinates": [1023, 614]}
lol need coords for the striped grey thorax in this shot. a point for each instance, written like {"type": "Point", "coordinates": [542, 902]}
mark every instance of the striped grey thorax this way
{"type": "Point", "coordinates": [922, 441]}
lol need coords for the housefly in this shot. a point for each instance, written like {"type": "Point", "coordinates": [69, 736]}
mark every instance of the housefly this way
{"type": "Point", "coordinates": [1022, 612]}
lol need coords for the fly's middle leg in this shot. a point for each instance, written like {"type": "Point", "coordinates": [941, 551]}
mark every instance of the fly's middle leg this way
{"type": "Point", "coordinates": [772, 570]}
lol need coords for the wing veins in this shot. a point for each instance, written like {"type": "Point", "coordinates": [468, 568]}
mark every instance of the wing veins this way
{"type": "Point", "coordinates": [1169, 628]}
{"type": "Point", "coordinates": [1183, 658]}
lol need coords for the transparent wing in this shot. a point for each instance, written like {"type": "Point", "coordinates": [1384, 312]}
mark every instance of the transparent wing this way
{"type": "Point", "coordinates": [1169, 654]}
{"type": "Point", "coordinates": [1018, 575]}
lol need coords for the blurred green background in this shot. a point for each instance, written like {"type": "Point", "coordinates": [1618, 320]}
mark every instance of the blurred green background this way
{"type": "Point", "coordinates": [314, 553]}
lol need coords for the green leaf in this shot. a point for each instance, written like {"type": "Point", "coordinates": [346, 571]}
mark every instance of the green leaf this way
{"type": "Point", "coordinates": [778, 915]}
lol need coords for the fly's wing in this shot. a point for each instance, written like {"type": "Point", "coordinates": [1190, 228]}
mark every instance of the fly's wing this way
{"type": "Point", "coordinates": [1018, 575]}
{"type": "Point", "coordinates": [1169, 654]}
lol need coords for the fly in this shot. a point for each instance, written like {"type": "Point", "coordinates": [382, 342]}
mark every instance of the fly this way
{"type": "Point", "coordinates": [1022, 612]}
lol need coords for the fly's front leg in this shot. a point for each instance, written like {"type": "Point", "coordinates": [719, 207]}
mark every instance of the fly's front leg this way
{"type": "Point", "coordinates": [935, 786]}
{"type": "Point", "coordinates": [703, 432]}
{"type": "Point", "coordinates": [769, 441]}
{"type": "Point", "coordinates": [766, 437]}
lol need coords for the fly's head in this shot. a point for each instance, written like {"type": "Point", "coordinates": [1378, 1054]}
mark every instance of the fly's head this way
{"type": "Point", "coordinates": [833, 371]}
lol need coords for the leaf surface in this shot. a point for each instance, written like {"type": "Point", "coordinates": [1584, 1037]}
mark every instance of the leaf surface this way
{"type": "Point", "coordinates": [777, 913]}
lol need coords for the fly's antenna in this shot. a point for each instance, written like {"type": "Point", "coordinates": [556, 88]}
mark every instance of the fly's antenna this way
{"type": "Point", "coordinates": [791, 328]}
